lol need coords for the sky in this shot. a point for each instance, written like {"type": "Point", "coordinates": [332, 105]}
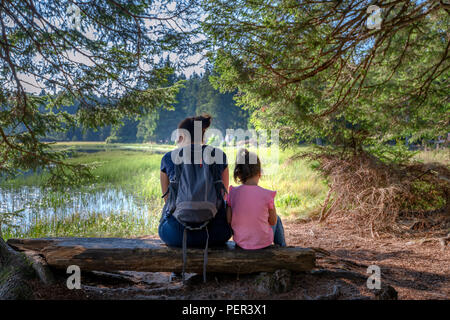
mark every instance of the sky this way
{"type": "Point", "coordinates": [31, 84]}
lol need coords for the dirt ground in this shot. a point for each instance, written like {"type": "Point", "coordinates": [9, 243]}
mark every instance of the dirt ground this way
{"type": "Point", "coordinates": [416, 269]}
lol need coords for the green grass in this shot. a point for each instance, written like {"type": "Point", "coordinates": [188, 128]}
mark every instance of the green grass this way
{"type": "Point", "coordinates": [122, 224]}
{"type": "Point", "coordinates": [442, 156]}
{"type": "Point", "coordinates": [137, 171]}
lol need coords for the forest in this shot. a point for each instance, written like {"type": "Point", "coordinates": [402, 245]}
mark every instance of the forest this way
{"type": "Point", "coordinates": [197, 96]}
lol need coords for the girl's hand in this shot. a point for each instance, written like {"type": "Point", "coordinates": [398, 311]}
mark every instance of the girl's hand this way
{"type": "Point", "coordinates": [273, 216]}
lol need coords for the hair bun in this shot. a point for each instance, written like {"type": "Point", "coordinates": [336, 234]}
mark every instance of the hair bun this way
{"type": "Point", "coordinates": [245, 167]}
{"type": "Point", "coordinates": [242, 155]}
{"type": "Point", "coordinates": [205, 119]}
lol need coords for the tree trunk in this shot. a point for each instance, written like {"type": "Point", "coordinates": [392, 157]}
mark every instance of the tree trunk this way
{"type": "Point", "coordinates": [151, 255]}
{"type": "Point", "coordinates": [15, 271]}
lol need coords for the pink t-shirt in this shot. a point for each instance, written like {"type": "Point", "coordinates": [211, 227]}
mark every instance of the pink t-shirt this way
{"type": "Point", "coordinates": [250, 206]}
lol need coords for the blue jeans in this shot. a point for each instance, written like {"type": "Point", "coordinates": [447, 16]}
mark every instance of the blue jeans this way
{"type": "Point", "coordinates": [171, 231]}
{"type": "Point", "coordinates": [278, 233]}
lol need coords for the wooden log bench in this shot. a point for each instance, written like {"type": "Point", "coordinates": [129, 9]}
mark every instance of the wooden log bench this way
{"type": "Point", "coordinates": [152, 255]}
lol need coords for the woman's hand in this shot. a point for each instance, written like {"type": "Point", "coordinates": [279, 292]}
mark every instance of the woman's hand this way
{"type": "Point", "coordinates": [164, 179]}
{"type": "Point", "coordinates": [229, 212]}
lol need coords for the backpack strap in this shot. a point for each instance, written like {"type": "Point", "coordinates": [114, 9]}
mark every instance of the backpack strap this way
{"type": "Point", "coordinates": [183, 273]}
{"type": "Point", "coordinates": [178, 171]}
{"type": "Point", "coordinates": [205, 255]}
{"type": "Point", "coordinates": [172, 190]}
{"type": "Point", "coordinates": [205, 252]}
{"type": "Point", "coordinates": [218, 182]}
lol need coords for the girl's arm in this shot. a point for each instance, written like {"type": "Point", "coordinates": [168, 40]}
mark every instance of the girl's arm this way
{"type": "Point", "coordinates": [164, 179]}
{"type": "Point", "coordinates": [229, 214]}
{"type": "Point", "coordinates": [273, 216]}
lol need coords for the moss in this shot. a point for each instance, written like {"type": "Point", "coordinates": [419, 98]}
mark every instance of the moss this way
{"type": "Point", "coordinates": [22, 292]}
{"type": "Point", "coordinates": [13, 284]}
{"type": "Point", "coordinates": [27, 266]}
{"type": "Point", "coordinates": [5, 273]}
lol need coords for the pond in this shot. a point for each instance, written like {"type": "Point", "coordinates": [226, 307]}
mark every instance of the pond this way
{"type": "Point", "coordinates": [74, 149]}
{"type": "Point", "coordinates": [41, 206]}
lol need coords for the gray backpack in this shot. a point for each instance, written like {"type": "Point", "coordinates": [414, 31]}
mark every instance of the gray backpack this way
{"type": "Point", "coordinates": [195, 194]}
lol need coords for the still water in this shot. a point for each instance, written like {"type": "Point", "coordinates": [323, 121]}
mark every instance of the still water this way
{"type": "Point", "coordinates": [39, 203]}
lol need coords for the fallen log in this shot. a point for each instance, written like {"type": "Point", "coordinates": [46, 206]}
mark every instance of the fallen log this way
{"type": "Point", "coordinates": [151, 255]}
{"type": "Point", "coordinates": [40, 267]}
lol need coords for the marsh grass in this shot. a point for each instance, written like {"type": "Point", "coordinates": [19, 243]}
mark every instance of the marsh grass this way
{"type": "Point", "coordinates": [429, 156]}
{"type": "Point", "coordinates": [121, 224]}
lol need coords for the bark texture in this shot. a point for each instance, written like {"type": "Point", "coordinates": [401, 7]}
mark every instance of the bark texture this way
{"type": "Point", "coordinates": [15, 271]}
{"type": "Point", "coordinates": [151, 255]}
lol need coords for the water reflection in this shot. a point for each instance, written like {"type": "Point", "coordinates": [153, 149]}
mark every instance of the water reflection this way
{"type": "Point", "coordinates": [39, 203]}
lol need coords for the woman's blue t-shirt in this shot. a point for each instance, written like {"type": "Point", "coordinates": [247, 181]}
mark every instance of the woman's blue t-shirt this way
{"type": "Point", "coordinates": [168, 167]}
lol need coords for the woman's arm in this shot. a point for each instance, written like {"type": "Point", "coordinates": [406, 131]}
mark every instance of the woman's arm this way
{"type": "Point", "coordinates": [164, 179]}
{"type": "Point", "coordinates": [273, 216]}
{"type": "Point", "coordinates": [229, 214]}
{"type": "Point", "coordinates": [226, 178]}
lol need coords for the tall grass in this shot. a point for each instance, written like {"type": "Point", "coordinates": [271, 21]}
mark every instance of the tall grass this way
{"type": "Point", "coordinates": [428, 156]}
{"type": "Point", "coordinates": [121, 224]}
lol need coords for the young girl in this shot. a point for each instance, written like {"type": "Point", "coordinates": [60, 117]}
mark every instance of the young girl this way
{"type": "Point", "coordinates": [251, 209]}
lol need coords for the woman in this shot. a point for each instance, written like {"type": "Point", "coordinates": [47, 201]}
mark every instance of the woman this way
{"type": "Point", "coordinates": [170, 230]}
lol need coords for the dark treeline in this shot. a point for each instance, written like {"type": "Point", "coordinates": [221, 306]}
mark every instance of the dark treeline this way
{"type": "Point", "coordinates": [197, 96]}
